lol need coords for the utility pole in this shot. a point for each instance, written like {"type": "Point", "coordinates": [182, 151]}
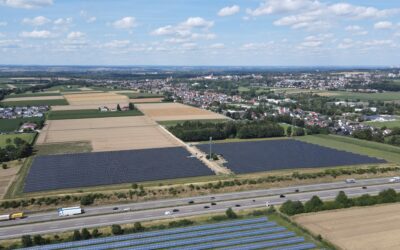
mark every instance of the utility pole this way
{"type": "Point", "coordinates": [210, 148]}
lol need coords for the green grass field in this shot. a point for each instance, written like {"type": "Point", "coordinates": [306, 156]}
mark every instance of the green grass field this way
{"type": "Point", "coordinates": [65, 88]}
{"type": "Point", "coordinates": [389, 124]}
{"type": "Point", "coordinates": [29, 137]}
{"type": "Point", "coordinates": [343, 95]}
{"type": "Point", "coordinates": [30, 94]}
{"type": "Point", "coordinates": [35, 102]}
{"type": "Point", "coordinates": [9, 125]}
{"type": "Point", "coordinates": [89, 113]}
{"type": "Point", "coordinates": [374, 149]}
{"type": "Point", "coordinates": [64, 148]}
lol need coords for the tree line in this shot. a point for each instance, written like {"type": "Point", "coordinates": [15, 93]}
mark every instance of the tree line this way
{"type": "Point", "coordinates": [315, 204]}
{"type": "Point", "coordinates": [202, 131]}
{"type": "Point", "coordinates": [15, 149]}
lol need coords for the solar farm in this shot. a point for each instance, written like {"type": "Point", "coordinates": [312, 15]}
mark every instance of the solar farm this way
{"type": "Point", "coordinates": [257, 156]}
{"type": "Point", "coordinates": [259, 233]}
{"type": "Point", "coordinates": [104, 168]}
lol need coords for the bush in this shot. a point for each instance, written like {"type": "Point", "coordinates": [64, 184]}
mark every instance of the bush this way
{"type": "Point", "coordinates": [87, 200]}
{"type": "Point", "coordinates": [231, 214]}
{"type": "Point", "coordinates": [95, 233]}
{"type": "Point", "coordinates": [26, 241]}
{"type": "Point", "coordinates": [219, 217]}
{"type": "Point", "coordinates": [4, 166]}
{"type": "Point", "coordinates": [85, 234]}
{"type": "Point", "coordinates": [292, 207]}
{"type": "Point", "coordinates": [313, 205]}
{"type": "Point", "coordinates": [116, 229]}
{"type": "Point", "coordinates": [38, 240]}
{"type": "Point", "coordinates": [76, 236]}
{"type": "Point", "coordinates": [138, 227]}
{"type": "Point", "coordinates": [342, 200]}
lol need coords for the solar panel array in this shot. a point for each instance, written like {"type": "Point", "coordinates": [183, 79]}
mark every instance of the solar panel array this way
{"type": "Point", "coordinates": [104, 168]}
{"type": "Point", "coordinates": [257, 156]}
{"type": "Point", "coordinates": [256, 233]}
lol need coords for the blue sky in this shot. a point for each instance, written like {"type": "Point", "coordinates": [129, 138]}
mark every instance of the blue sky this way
{"type": "Point", "coordinates": [200, 32]}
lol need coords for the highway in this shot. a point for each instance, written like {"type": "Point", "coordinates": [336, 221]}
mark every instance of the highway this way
{"type": "Point", "coordinates": [96, 216]}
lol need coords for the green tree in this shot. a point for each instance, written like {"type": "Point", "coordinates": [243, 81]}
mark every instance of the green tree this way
{"type": "Point", "coordinates": [131, 106]}
{"type": "Point", "coordinates": [292, 207]}
{"type": "Point", "coordinates": [95, 233]}
{"type": "Point", "coordinates": [388, 195]}
{"type": "Point", "coordinates": [116, 229]}
{"type": "Point", "coordinates": [76, 235]}
{"type": "Point", "coordinates": [26, 241]}
{"type": "Point", "coordinates": [313, 205]}
{"type": "Point", "coordinates": [289, 131]}
{"type": "Point", "coordinates": [87, 200]}
{"type": "Point", "coordinates": [38, 240]}
{"type": "Point", "coordinates": [118, 107]}
{"type": "Point", "coordinates": [230, 213]}
{"type": "Point", "coordinates": [342, 200]}
{"type": "Point", "coordinates": [85, 234]}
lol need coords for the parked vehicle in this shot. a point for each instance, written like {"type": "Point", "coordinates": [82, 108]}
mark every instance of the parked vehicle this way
{"type": "Point", "coordinates": [67, 211]}
{"type": "Point", "coordinates": [13, 216]}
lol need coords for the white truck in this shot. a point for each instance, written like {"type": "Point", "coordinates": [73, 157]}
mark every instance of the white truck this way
{"type": "Point", "coordinates": [394, 179]}
{"type": "Point", "coordinates": [67, 211]}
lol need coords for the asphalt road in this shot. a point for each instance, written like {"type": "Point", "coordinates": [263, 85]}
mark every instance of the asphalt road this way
{"type": "Point", "coordinates": [101, 210]}
{"type": "Point", "coordinates": [77, 222]}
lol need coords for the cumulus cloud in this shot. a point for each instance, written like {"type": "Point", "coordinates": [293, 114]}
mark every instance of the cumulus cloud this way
{"type": "Point", "coordinates": [74, 35]}
{"type": "Point", "coordinates": [63, 21]}
{"type": "Point", "coordinates": [88, 19]}
{"type": "Point", "coordinates": [36, 21]}
{"type": "Point", "coordinates": [36, 34]}
{"type": "Point", "coordinates": [217, 46]}
{"type": "Point", "coordinates": [229, 10]}
{"type": "Point", "coordinates": [356, 30]}
{"type": "Point", "coordinates": [125, 23]}
{"type": "Point", "coordinates": [183, 29]}
{"type": "Point", "coordinates": [282, 6]}
{"type": "Point", "coordinates": [117, 44]}
{"type": "Point", "coordinates": [26, 4]}
{"type": "Point", "coordinates": [384, 25]}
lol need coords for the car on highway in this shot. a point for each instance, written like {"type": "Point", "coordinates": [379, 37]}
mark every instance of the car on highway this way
{"type": "Point", "coordinates": [115, 208]}
{"type": "Point", "coordinates": [394, 179]}
{"type": "Point", "coordinates": [297, 190]}
{"type": "Point", "coordinates": [168, 212]}
{"type": "Point", "coordinates": [190, 202]}
{"type": "Point", "coordinates": [237, 205]}
{"type": "Point", "coordinates": [175, 210]}
{"type": "Point", "coordinates": [282, 196]}
{"type": "Point", "coordinates": [213, 203]}
{"type": "Point", "coordinates": [212, 198]}
{"type": "Point", "coordinates": [364, 187]}
{"type": "Point", "coordinates": [127, 209]}
{"type": "Point", "coordinates": [206, 207]}
{"type": "Point", "coordinates": [349, 181]}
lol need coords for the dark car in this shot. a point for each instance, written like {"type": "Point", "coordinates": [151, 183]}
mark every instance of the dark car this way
{"type": "Point", "coordinates": [364, 187]}
{"type": "Point", "coordinates": [212, 198]}
{"type": "Point", "coordinates": [254, 200]}
{"type": "Point", "coordinates": [115, 208]}
{"type": "Point", "coordinates": [191, 202]}
{"type": "Point", "coordinates": [213, 203]}
{"type": "Point", "coordinates": [282, 196]}
{"type": "Point", "coordinates": [175, 210]}
{"type": "Point", "coordinates": [297, 190]}
{"type": "Point", "coordinates": [237, 205]}
{"type": "Point", "coordinates": [206, 207]}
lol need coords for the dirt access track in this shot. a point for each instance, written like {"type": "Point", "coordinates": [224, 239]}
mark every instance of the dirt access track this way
{"type": "Point", "coordinates": [92, 101]}
{"type": "Point", "coordinates": [176, 111]}
{"type": "Point", "coordinates": [108, 134]}
{"type": "Point", "coordinates": [366, 228]}
{"type": "Point", "coordinates": [33, 98]}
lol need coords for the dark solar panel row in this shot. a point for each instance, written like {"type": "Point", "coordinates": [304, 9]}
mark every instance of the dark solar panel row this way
{"type": "Point", "coordinates": [104, 168]}
{"type": "Point", "coordinates": [190, 241]}
{"type": "Point", "coordinates": [263, 245]}
{"type": "Point", "coordinates": [304, 246]}
{"type": "Point", "coordinates": [257, 156]}
{"type": "Point", "coordinates": [151, 234]}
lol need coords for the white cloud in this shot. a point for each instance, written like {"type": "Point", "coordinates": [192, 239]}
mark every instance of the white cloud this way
{"type": "Point", "coordinates": [36, 34]}
{"type": "Point", "coordinates": [10, 44]}
{"type": "Point", "coordinates": [3, 23]}
{"type": "Point", "coordinates": [63, 21]}
{"type": "Point", "coordinates": [229, 10]}
{"type": "Point", "coordinates": [125, 23]}
{"type": "Point", "coordinates": [74, 35]}
{"type": "Point", "coordinates": [117, 44]}
{"type": "Point", "coordinates": [353, 28]}
{"type": "Point", "coordinates": [384, 25]}
{"type": "Point", "coordinates": [88, 19]}
{"type": "Point", "coordinates": [91, 19]}
{"type": "Point", "coordinates": [197, 22]}
{"type": "Point", "coordinates": [217, 46]}
{"type": "Point", "coordinates": [379, 43]}
{"type": "Point", "coordinates": [26, 4]}
{"type": "Point", "coordinates": [282, 6]}
{"type": "Point", "coordinates": [37, 21]}
{"type": "Point", "coordinates": [360, 12]}
{"type": "Point", "coordinates": [356, 30]}
{"type": "Point", "coordinates": [257, 46]}
{"type": "Point", "coordinates": [346, 43]}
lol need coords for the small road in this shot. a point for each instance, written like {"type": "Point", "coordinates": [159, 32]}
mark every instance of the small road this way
{"type": "Point", "coordinates": [97, 216]}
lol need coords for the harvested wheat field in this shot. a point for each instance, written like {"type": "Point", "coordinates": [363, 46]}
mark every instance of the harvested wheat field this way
{"type": "Point", "coordinates": [146, 100]}
{"type": "Point", "coordinates": [376, 227]}
{"type": "Point", "coordinates": [85, 100]}
{"type": "Point", "coordinates": [8, 175]}
{"type": "Point", "coordinates": [108, 134]}
{"type": "Point", "coordinates": [176, 111]}
{"type": "Point", "coordinates": [33, 98]}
